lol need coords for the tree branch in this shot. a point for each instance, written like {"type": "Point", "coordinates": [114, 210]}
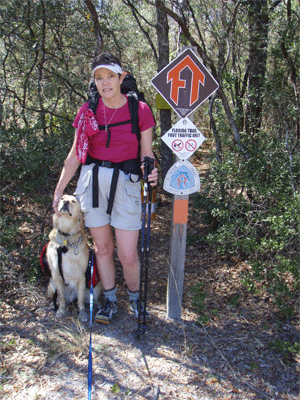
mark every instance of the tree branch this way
{"type": "Point", "coordinates": [211, 65]}
{"type": "Point", "coordinates": [135, 13]}
{"type": "Point", "coordinates": [97, 28]}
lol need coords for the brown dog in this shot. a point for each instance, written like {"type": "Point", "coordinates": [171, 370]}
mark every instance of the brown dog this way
{"type": "Point", "coordinates": [68, 247]}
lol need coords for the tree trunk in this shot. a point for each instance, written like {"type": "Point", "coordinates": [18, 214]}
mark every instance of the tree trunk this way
{"type": "Point", "coordinates": [258, 17]}
{"type": "Point", "coordinates": [162, 30]}
{"type": "Point", "coordinates": [97, 28]}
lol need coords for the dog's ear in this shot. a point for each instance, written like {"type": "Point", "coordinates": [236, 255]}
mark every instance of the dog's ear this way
{"type": "Point", "coordinates": [55, 220]}
{"type": "Point", "coordinates": [81, 220]}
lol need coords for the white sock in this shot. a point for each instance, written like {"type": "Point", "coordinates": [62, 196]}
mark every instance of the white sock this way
{"type": "Point", "coordinates": [111, 294]}
{"type": "Point", "coordinates": [133, 295]}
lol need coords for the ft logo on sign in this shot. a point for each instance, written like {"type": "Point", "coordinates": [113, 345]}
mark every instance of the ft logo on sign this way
{"type": "Point", "coordinates": [185, 83]}
{"type": "Point", "coordinates": [177, 83]}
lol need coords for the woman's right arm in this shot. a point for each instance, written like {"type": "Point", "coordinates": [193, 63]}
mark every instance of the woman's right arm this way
{"type": "Point", "coordinates": [70, 167]}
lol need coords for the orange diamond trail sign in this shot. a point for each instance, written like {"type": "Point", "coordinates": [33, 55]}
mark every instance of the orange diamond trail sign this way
{"type": "Point", "coordinates": [185, 83]}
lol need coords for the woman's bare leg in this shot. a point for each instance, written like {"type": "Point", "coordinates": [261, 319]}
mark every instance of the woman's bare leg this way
{"type": "Point", "coordinates": [104, 249]}
{"type": "Point", "coordinates": [128, 255]}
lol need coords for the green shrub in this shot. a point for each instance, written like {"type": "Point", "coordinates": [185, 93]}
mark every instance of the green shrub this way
{"type": "Point", "coordinates": [198, 302]}
{"type": "Point", "coordinates": [29, 168]}
{"type": "Point", "coordinates": [29, 157]}
{"type": "Point", "coordinates": [8, 232]}
{"type": "Point", "coordinates": [252, 205]}
{"type": "Point", "coordinates": [286, 349]}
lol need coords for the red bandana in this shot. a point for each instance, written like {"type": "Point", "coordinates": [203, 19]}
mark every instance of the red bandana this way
{"type": "Point", "coordinates": [87, 127]}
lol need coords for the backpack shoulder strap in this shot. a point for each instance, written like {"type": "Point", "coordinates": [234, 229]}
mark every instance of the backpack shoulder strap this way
{"type": "Point", "coordinates": [133, 105]}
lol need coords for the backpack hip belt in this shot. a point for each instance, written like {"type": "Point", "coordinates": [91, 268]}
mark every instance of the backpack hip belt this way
{"type": "Point", "coordinates": [131, 167]}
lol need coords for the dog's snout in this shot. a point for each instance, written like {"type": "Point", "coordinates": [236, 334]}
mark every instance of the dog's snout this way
{"type": "Point", "coordinates": [65, 205]}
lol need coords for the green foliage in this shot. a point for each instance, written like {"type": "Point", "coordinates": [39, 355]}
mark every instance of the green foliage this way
{"type": "Point", "coordinates": [34, 270]}
{"type": "Point", "coordinates": [8, 231]}
{"type": "Point", "coordinates": [251, 200]}
{"type": "Point", "coordinates": [254, 214]}
{"type": "Point", "coordinates": [199, 302]}
{"type": "Point", "coordinates": [29, 168]}
{"type": "Point", "coordinates": [286, 349]}
{"type": "Point", "coordinates": [233, 301]}
{"type": "Point", "coordinates": [115, 389]}
{"type": "Point", "coordinates": [29, 158]}
{"type": "Point", "coordinates": [15, 237]}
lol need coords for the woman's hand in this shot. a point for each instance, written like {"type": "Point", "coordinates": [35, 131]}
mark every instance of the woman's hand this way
{"type": "Point", "coordinates": [153, 177]}
{"type": "Point", "coordinates": [56, 197]}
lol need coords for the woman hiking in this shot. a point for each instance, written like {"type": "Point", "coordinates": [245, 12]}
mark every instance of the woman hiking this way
{"type": "Point", "coordinates": [108, 188]}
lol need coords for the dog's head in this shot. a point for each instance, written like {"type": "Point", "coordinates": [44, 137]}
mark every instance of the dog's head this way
{"type": "Point", "coordinates": [68, 205]}
{"type": "Point", "coordinates": [70, 214]}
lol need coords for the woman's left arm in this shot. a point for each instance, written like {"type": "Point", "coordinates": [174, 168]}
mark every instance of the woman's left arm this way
{"type": "Point", "coordinates": [146, 151]}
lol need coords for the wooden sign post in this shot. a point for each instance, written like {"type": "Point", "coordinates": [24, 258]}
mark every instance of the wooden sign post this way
{"type": "Point", "coordinates": [181, 179]}
{"type": "Point", "coordinates": [185, 84]}
{"type": "Point", "coordinates": [177, 256]}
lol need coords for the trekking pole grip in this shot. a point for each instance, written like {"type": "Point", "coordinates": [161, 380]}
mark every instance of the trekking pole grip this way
{"type": "Point", "coordinates": [148, 163]}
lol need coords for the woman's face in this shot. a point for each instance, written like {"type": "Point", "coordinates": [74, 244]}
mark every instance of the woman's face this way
{"type": "Point", "coordinates": [108, 83]}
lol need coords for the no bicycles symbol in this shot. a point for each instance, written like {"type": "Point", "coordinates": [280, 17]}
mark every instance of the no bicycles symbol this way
{"type": "Point", "coordinates": [191, 145]}
{"type": "Point", "coordinates": [177, 145]}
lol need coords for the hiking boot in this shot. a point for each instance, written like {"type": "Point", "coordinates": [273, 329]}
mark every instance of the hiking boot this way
{"type": "Point", "coordinates": [134, 309]}
{"type": "Point", "coordinates": [106, 312]}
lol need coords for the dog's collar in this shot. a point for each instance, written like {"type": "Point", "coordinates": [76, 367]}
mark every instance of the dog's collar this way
{"type": "Point", "coordinates": [65, 242]}
{"type": "Point", "coordinates": [63, 233]}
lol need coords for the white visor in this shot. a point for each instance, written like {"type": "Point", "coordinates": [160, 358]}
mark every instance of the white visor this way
{"type": "Point", "coordinates": [112, 67]}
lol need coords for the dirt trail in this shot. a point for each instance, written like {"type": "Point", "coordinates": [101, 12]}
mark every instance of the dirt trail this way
{"type": "Point", "coordinates": [232, 356]}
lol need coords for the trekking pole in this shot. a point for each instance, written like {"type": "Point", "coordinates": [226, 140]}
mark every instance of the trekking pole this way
{"type": "Point", "coordinates": [145, 242]}
{"type": "Point", "coordinates": [147, 253]}
{"type": "Point", "coordinates": [90, 365]}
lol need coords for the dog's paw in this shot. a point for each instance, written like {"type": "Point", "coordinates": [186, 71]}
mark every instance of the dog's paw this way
{"type": "Point", "coordinates": [60, 312]}
{"type": "Point", "coordinates": [83, 316]}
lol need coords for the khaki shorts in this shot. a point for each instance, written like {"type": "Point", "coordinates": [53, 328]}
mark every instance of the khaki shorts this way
{"type": "Point", "coordinates": [126, 211]}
